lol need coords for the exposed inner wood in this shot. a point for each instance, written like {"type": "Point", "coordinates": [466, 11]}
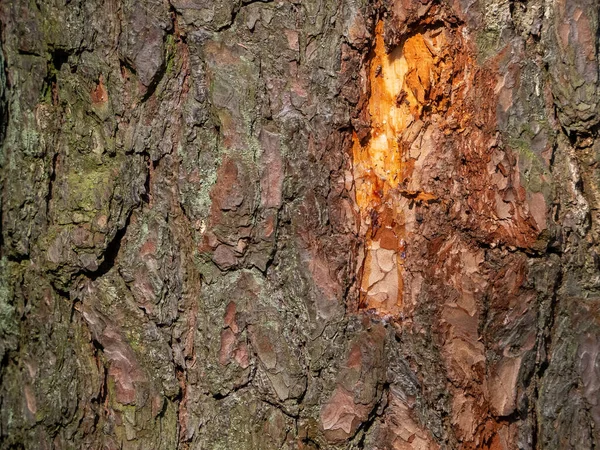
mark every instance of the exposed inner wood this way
{"type": "Point", "coordinates": [401, 83]}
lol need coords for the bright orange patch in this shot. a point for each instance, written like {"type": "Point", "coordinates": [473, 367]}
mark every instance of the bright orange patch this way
{"type": "Point", "coordinates": [99, 94]}
{"type": "Point", "coordinates": [401, 84]}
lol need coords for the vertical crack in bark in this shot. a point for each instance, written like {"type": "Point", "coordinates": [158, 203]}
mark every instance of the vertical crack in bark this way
{"type": "Point", "coordinates": [3, 126]}
{"type": "Point", "coordinates": [51, 180]}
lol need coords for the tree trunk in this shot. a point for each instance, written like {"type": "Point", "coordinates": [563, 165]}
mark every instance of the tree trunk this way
{"type": "Point", "coordinates": [318, 224]}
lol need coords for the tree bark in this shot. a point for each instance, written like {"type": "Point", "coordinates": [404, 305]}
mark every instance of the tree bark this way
{"type": "Point", "coordinates": [299, 224]}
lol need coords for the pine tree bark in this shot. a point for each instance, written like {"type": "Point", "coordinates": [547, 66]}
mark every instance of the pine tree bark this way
{"type": "Point", "coordinates": [300, 224]}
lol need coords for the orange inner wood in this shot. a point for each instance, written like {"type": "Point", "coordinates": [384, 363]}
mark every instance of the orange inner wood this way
{"type": "Point", "coordinates": [400, 84]}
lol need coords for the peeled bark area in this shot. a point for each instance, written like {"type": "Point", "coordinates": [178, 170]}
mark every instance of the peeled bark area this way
{"type": "Point", "coordinates": [300, 225]}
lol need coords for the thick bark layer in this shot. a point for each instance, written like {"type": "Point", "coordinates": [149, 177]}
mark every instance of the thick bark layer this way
{"type": "Point", "coordinates": [317, 224]}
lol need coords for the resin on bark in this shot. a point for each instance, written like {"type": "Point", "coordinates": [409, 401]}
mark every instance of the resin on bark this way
{"type": "Point", "coordinates": [407, 84]}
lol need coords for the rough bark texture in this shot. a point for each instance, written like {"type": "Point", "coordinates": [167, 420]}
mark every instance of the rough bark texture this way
{"type": "Point", "coordinates": [317, 224]}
